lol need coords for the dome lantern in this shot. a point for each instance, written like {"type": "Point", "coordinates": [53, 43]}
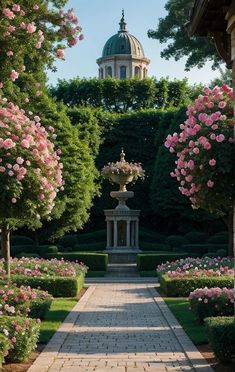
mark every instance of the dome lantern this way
{"type": "Point", "coordinates": [123, 56]}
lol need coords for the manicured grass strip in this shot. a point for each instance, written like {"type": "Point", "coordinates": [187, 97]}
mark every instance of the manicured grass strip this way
{"type": "Point", "coordinates": [60, 308]}
{"type": "Point", "coordinates": [187, 319]}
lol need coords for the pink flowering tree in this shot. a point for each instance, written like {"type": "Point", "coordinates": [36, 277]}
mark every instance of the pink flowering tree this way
{"type": "Point", "coordinates": [34, 33]}
{"type": "Point", "coordinates": [205, 154]}
{"type": "Point", "coordinates": [30, 173]}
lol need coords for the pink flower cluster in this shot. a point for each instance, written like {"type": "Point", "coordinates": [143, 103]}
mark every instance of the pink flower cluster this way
{"type": "Point", "coordinates": [207, 294]}
{"type": "Point", "coordinates": [209, 123]}
{"type": "Point", "coordinates": [43, 268]}
{"type": "Point", "coordinates": [17, 301]}
{"type": "Point", "coordinates": [30, 168]}
{"type": "Point", "coordinates": [123, 169]}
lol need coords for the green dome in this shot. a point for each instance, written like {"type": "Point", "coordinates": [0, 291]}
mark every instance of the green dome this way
{"type": "Point", "coordinates": [123, 43]}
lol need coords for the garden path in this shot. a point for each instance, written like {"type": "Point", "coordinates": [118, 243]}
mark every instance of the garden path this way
{"type": "Point", "coordinates": [120, 327]}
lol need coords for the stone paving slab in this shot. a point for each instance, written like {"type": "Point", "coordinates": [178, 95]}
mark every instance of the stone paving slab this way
{"type": "Point", "coordinates": [120, 327]}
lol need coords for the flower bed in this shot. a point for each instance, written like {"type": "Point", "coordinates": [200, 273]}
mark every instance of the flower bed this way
{"type": "Point", "coordinates": [207, 302]}
{"type": "Point", "coordinates": [22, 333]}
{"type": "Point", "coordinates": [60, 278]}
{"type": "Point", "coordinates": [182, 286]}
{"type": "Point", "coordinates": [188, 267]}
{"type": "Point", "coordinates": [24, 301]}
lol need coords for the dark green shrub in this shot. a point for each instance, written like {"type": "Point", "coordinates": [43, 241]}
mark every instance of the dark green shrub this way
{"type": "Point", "coordinates": [221, 335]}
{"type": "Point", "coordinates": [39, 307]}
{"type": "Point", "coordinates": [221, 253]}
{"type": "Point", "coordinates": [69, 241]}
{"type": "Point", "coordinates": [147, 246]}
{"type": "Point", "coordinates": [92, 237]}
{"type": "Point", "coordinates": [4, 347]}
{"type": "Point", "coordinates": [32, 255]}
{"type": "Point", "coordinates": [95, 261]}
{"type": "Point", "coordinates": [26, 336]}
{"type": "Point", "coordinates": [196, 237]}
{"type": "Point", "coordinates": [17, 249]}
{"type": "Point", "coordinates": [43, 250]}
{"type": "Point", "coordinates": [181, 287]}
{"type": "Point", "coordinates": [56, 286]}
{"type": "Point", "coordinates": [210, 255]}
{"type": "Point", "coordinates": [96, 246]}
{"type": "Point", "coordinates": [201, 249]}
{"type": "Point", "coordinates": [218, 239]}
{"type": "Point", "coordinates": [152, 237]}
{"type": "Point", "coordinates": [148, 262]}
{"type": "Point", "coordinates": [176, 241]}
{"type": "Point", "coordinates": [21, 240]}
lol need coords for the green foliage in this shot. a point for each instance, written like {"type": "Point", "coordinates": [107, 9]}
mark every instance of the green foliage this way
{"type": "Point", "coordinates": [92, 237]}
{"type": "Point", "coordinates": [98, 246]}
{"type": "Point", "coordinates": [221, 334]}
{"type": "Point", "coordinates": [94, 261]}
{"type": "Point", "coordinates": [39, 307]}
{"type": "Point", "coordinates": [4, 347]}
{"type": "Point", "coordinates": [187, 319]}
{"type": "Point", "coordinates": [43, 250]}
{"type": "Point", "coordinates": [29, 255]}
{"type": "Point", "coordinates": [122, 95]}
{"type": "Point", "coordinates": [18, 249]}
{"type": "Point", "coordinates": [196, 237]}
{"type": "Point", "coordinates": [219, 306]}
{"type": "Point", "coordinates": [221, 253]}
{"type": "Point", "coordinates": [68, 241]}
{"type": "Point", "coordinates": [172, 32]}
{"type": "Point", "coordinates": [151, 236]}
{"type": "Point", "coordinates": [56, 286]}
{"type": "Point", "coordinates": [218, 239]}
{"type": "Point", "coordinates": [147, 246]}
{"type": "Point", "coordinates": [176, 241]}
{"type": "Point", "coordinates": [26, 337]}
{"type": "Point", "coordinates": [148, 262]}
{"type": "Point", "coordinates": [181, 287]}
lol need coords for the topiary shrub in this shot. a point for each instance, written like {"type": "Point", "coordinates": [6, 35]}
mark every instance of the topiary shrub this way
{"type": "Point", "coordinates": [176, 241]}
{"type": "Point", "coordinates": [201, 249]}
{"type": "Point", "coordinates": [43, 250]}
{"type": "Point", "coordinates": [94, 261]}
{"type": "Point", "coordinates": [4, 347]}
{"type": "Point", "coordinates": [68, 241]}
{"type": "Point", "coordinates": [92, 237]}
{"type": "Point", "coordinates": [218, 239]}
{"type": "Point", "coordinates": [196, 237]}
{"type": "Point", "coordinates": [21, 240]}
{"type": "Point", "coordinates": [28, 248]}
{"type": "Point", "coordinates": [221, 335]}
{"type": "Point", "coordinates": [221, 253]}
{"type": "Point", "coordinates": [23, 334]}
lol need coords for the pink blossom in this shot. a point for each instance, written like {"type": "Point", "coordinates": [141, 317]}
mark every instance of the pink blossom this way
{"type": "Point", "coordinates": [19, 160]}
{"type": "Point", "coordinates": [60, 53]}
{"type": "Point", "coordinates": [220, 138]}
{"type": "Point", "coordinates": [31, 28]}
{"type": "Point", "coordinates": [8, 143]}
{"type": "Point", "coordinates": [36, 7]}
{"type": "Point", "coordinates": [16, 7]}
{"type": "Point", "coordinates": [196, 150]}
{"type": "Point", "coordinates": [8, 13]}
{"type": "Point", "coordinates": [24, 143]}
{"type": "Point", "coordinates": [212, 162]}
{"type": "Point", "coordinates": [222, 104]}
{"type": "Point", "coordinates": [13, 200]}
{"type": "Point", "coordinates": [210, 183]}
{"type": "Point", "coordinates": [81, 37]}
{"type": "Point", "coordinates": [14, 75]}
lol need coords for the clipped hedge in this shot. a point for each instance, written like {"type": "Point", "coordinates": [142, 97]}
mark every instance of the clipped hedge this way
{"type": "Point", "coordinates": [4, 347]}
{"type": "Point", "coordinates": [96, 236]}
{"type": "Point", "coordinates": [89, 247]}
{"type": "Point", "coordinates": [148, 262]}
{"type": "Point", "coordinates": [95, 261]}
{"type": "Point", "coordinates": [43, 250]}
{"type": "Point", "coordinates": [68, 241]}
{"type": "Point", "coordinates": [176, 241]}
{"type": "Point", "coordinates": [152, 237]}
{"type": "Point", "coordinates": [23, 334]}
{"type": "Point", "coordinates": [56, 286]}
{"type": "Point", "coordinates": [23, 248]}
{"type": "Point", "coordinates": [146, 246]}
{"type": "Point", "coordinates": [218, 239]}
{"type": "Point", "coordinates": [202, 249]}
{"type": "Point", "coordinates": [21, 240]}
{"type": "Point", "coordinates": [181, 287]}
{"type": "Point", "coordinates": [221, 335]}
{"type": "Point", "coordinates": [196, 237]}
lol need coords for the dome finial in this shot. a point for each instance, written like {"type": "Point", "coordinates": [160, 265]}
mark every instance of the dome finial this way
{"type": "Point", "coordinates": [123, 22]}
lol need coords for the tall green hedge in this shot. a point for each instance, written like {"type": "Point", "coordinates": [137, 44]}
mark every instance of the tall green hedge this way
{"type": "Point", "coordinates": [148, 262]}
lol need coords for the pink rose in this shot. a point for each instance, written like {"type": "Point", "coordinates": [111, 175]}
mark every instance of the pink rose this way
{"type": "Point", "coordinates": [212, 162]}
{"type": "Point", "coordinates": [14, 75]}
{"type": "Point", "coordinates": [220, 138]}
{"type": "Point", "coordinates": [16, 7]}
{"type": "Point", "coordinates": [8, 13]}
{"type": "Point", "coordinates": [24, 143]}
{"type": "Point", "coordinates": [60, 53]}
{"type": "Point", "coordinates": [13, 200]}
{"type": "Point", "coordinates": [210, 183]}
{"type": "Point", "coordinates": [31, 28]}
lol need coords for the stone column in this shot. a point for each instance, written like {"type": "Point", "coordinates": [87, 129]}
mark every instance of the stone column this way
{"type": "Point", "coordinates": [137, 234]}
{"type": "Point", "coordinates": [109, 226]}
{"type": "Point", "coordinates": [132, 233]}
{"type": "Point", "coordinates": [115, 240]}
{"type": "Point", "coordinates": [128, 233]}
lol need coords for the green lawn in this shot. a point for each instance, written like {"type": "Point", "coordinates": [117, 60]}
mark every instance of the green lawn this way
{"type": "Point", "coordinates": [60, 308]}
{"type": "Point", "coordinates": [187, 319]}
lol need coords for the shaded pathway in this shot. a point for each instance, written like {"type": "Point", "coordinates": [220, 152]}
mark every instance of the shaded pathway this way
{"type": "Point", "coordinates": [120, 327]}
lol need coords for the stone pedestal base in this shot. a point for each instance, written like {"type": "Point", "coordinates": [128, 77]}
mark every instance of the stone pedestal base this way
{"type": "Point", "coordinates": [122, 256]}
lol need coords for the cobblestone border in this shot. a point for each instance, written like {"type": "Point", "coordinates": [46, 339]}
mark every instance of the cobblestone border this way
{"type": "Point", "coordinates": [51, 350]}
{"type": "Point", "coordinates": [199, 363]}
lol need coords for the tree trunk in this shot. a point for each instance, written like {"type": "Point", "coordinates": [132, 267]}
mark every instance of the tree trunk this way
{"type": "Point", "coordinates": [5, 244]}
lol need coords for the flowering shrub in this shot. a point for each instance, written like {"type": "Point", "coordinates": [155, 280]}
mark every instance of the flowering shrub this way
{"type": "Point", "coordinates": [38, 267]}
{"type": "Point", "coordinates": [188, 267]}
{"type": "Point", "coordinates": [30, 172]}
{"type": "Point", "coordinates": [205, 151]}
{"type": "Point", "coordinates": [4, 347]}
{"type": "Point", "coordinates": [43, 28]}
{"type": "Point", "coordinates": [207, 302]}
{"type": "Point", "coordinates": [24, 301]}
{"type": "Point", "coordinates": [22, 333]}
{"type": "Point", "coordinates": [123, 168]}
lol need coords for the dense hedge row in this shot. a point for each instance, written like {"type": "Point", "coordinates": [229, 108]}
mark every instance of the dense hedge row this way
{"type": "Point", "coordinates": [181, 287]}
{"type": "Point", "coordinates": [94, 261]}
{"type": "Point", "coordinates": [150, 261]}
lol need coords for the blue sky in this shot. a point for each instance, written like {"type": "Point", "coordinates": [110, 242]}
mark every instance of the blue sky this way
{"type": "Point", "coordinates": [99, 20]}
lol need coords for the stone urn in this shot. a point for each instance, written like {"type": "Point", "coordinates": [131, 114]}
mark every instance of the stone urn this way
{"type": "Point", "coordinates": [122, 180]}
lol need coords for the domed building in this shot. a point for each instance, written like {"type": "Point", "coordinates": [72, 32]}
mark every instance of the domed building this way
{"type": "Point", "coordinates": [123, 56]}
